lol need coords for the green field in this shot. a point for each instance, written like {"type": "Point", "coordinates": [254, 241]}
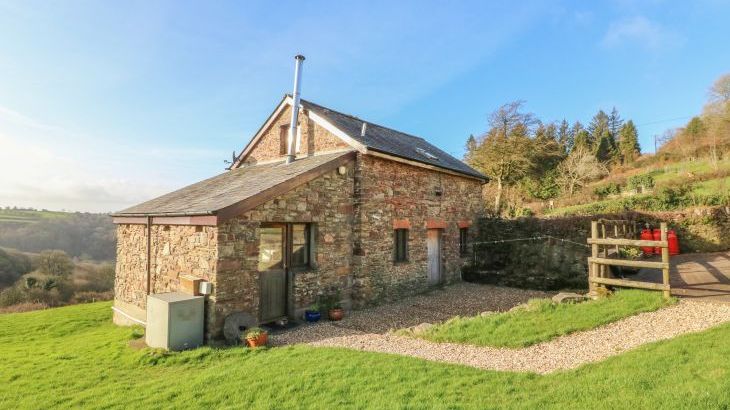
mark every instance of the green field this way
{"type": "Point", "coordinates": [28, 216]}
{"type": "Point", "coordinates": [543, 320]}
{"type": "Point", "coordinates": [73, 357]}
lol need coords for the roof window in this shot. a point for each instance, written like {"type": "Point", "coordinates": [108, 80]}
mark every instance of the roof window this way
{"type": "Point", "coordinates": [427, 154]}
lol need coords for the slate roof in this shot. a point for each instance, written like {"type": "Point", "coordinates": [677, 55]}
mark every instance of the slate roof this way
{"type": "Point", "coordinates": [390, 141]}
{"type": "Point", "coordinates": [229, 188]}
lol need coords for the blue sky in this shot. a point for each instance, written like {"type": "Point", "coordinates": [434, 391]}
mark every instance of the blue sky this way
{"type": "Point", "coordinates": [105, 104]}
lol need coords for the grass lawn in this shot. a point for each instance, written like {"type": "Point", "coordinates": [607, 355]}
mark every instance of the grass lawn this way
{"type": "Point", "coordinates": [74, 357]}
{"type": "Point", "coordinates": [543, 320]}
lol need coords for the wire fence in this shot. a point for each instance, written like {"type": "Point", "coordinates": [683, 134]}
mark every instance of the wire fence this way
{"type": "Point", "coordinates": [533, 238]}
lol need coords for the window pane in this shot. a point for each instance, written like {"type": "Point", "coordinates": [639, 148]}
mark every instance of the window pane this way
{"type": "Point", "coordinates": [300, 245]}
{"type": "Point", "coordinates": [401, 245]}
{"type": "Point", "coordinates": [271, 247]}
{"type": "Point", "coordinates": [463, 238]}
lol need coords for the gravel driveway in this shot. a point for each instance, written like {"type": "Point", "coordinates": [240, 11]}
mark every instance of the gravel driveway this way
{"type": "Point", "coordinates": [461, 299]}
{"type": "Point", "coordinates": [565, 352]}
{"type": "Point", "coordinates": [367, 330]}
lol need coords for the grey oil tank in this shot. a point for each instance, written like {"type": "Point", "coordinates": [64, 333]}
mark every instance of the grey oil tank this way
{"type": "Point", "coordinates": [174, 321]}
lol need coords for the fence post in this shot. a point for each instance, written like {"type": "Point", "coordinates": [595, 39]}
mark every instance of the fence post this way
{"type": "Point", "coordinates": [665, 260]}
{"type": "Point", "coordinates": [593, 267]}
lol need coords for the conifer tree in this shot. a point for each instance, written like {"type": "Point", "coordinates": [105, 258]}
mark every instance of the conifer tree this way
{"type": "Point", "coordinates": [566, 138]}
{"type": "Point", "coordinates": [629, 143]}
{"type": "Point", "coordinates": [615, 122]}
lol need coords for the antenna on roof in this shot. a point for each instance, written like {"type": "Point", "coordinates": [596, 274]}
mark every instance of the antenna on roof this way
{"type": "Point", "coordinates": [364, 129]}
{"type": "Point", "coordinates": [233, 159]}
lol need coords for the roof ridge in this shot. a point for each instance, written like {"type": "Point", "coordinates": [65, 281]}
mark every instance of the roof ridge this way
{"type": "Point", "coordinates": [360, 119]}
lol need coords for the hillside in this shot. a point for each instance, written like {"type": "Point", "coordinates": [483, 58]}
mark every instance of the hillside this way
{"type": "Point", "coordinates": [80, 235]}
{"type": "Point", "coordinates": [651, 186]}
{"type": "Point", "coordinates": [555, 168]}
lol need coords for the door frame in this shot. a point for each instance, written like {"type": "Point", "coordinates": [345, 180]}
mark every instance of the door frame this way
{"type": "Point", "coordinates": [287, 244]}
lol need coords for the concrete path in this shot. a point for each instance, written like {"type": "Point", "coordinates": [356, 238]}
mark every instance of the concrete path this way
{"type": "Point", "coordinates": [704, 276]}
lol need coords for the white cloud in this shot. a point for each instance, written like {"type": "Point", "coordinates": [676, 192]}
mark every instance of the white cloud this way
{"type": "Point", "coordinates": [640, 31]}
{"type": "Point", "coordinates": [44, 166]}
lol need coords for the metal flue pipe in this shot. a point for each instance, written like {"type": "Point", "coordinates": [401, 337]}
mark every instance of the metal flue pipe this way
{"type": "Point", "coordinates": [292, 143]}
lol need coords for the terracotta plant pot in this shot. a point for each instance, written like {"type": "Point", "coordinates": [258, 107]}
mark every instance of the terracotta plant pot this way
{"type": "Point", "coordinates": [336, 314]}
{"type": "Point", "coordinates": [259, 341]}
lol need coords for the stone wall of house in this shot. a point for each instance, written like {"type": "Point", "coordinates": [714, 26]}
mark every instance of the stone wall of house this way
{"type": "Point", "coordinates": [390, 194]}
{"type": "Point", "coordinates": [326, 203]}
{"type": "Point", "coordinates": [314, 138]}
{"type": "Point", "coordinates": [174, 249]}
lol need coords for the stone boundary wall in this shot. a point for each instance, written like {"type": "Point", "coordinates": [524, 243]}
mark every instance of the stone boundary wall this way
{"type": "Point", "coordinates": [551, 264]}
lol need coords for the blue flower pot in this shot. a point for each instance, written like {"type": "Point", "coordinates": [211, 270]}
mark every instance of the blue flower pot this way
{"type": "Point", "coordinates": [311, 316]}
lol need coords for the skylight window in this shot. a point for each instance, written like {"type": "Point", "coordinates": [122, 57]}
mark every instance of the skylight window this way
{"type": "Point", "coordinates": [427, 154]}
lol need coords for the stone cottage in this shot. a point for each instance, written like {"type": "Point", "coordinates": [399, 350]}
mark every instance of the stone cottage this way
{"type": "Point", "coordinates": [369, 212]}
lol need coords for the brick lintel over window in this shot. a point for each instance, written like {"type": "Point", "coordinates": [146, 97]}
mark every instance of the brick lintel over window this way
{"type": "Point", "coordinates": [401, 224]}
{"type": "Point", "coordinates": [436, 224]}
{"type": "Point", "coordinates": [464, 224]}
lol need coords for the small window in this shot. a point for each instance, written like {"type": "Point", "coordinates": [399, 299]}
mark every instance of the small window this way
{"type": "Point", "coordinates": [463, 241]}
{"type": "Point", "coordinates": [401, 245]}
{"type": "Point", "coordinates": [283, 139]}
{"type": "Point", "coordinates": [300, 245]}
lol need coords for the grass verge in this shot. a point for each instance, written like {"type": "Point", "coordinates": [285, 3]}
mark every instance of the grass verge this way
{"type": "Point", "coordinates": [542, 320]}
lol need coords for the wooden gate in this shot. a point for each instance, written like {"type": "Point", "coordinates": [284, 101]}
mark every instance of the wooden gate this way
{"type": "Point", "coordinates": [624, 233]}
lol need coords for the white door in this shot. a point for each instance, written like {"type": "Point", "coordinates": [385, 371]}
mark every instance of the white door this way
{"type": "Point", "coordinates": [434, 256]}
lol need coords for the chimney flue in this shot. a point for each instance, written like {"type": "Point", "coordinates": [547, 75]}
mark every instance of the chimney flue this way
{"type": "Point", "coordinates": [291, 142]}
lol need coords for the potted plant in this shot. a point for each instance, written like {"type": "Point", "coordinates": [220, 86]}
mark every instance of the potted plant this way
{"type": "Point", "coordinates": [256, 337]}
{"type": "Point", "coordinates": [313, 314]}
{"type": "Point", "coordinates": [331, 303]}
{"type": "Point", "coordinates": [630, 254]}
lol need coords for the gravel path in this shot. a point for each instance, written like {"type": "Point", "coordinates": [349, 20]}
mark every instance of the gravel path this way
{"type": "Point", "coordinates": [565, 352]}
{"type": "Point", "coordinates": [461, 299]}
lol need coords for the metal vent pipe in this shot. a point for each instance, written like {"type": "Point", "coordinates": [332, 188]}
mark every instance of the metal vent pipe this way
{"type": "Point", "coordinates": [293, 134]}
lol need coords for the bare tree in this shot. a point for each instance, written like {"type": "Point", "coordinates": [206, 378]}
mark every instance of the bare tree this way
{"type": "Point", "coordinates": [720, 90]}
{"type": "Point", "coordinates": [578, 169]}
{"type": "Point", "coordinates": [505, 152]}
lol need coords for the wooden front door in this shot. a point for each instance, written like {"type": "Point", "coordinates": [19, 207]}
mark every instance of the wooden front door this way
{"type": "Point", "coordinates": [272, 268]}
{"type": "Point", "coordinates": [434, 256]}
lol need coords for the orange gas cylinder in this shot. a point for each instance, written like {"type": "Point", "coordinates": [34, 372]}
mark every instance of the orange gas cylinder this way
{"type": "Point", "coordinates": [646, 236]}
{"type": "Point", "coordinates": [673, 241]}
{"type": "Point", "coordinates": [658, 237]}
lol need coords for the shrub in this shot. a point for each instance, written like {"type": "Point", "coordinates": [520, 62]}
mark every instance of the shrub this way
{"type": "Point", "coordinates": [641, 182]}
{"type": "Point", "coordinates": [12, 296]}
{"type": "Point", "coordinates": [607, 189]}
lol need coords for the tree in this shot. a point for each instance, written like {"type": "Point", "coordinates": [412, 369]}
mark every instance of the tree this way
{"type": "Point", "coordinates": [720, 90]}
{"type": "Point", "coordinates": [615, 122]}
{"type": "Point", "coordinates": [605, 147]}
{"type": "Point", "coordinates": [629, 143]}
{"type": "Point", "coordinates": [578, 169]}
{"type": "Point", "coordinates": [602, 141]}
{"type": "Point", "coordinates": [505, 152]}
{"type": "Point", "coordinates": [55, 263]}
{"type": "Point", "coordinates": [581, 137]}
{"type": "Point", "coordinates": [566, 138]}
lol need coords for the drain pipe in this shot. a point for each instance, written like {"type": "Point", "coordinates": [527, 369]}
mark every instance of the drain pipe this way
{"type": "Point", "coordinates": [149, 254]}
{"type": "Point", "coordinates": [291, 151]}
